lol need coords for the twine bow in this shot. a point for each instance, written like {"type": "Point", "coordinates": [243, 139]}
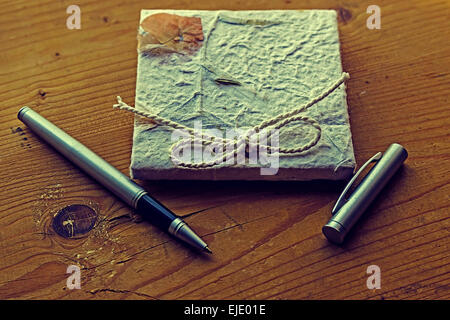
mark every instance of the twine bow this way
{"type": "Point", "coordinates": [245, 141]}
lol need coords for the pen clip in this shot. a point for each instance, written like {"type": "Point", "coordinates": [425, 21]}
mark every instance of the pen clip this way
{"type": "Point", "coordinates": [342, 199]}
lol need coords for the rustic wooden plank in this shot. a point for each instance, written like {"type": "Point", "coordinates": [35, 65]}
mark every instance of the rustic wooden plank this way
{"type": "Point", "coordinates": [266, 237]}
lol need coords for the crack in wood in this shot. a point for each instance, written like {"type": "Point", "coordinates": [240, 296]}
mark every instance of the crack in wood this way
{"type": "Point", "coordinates": [198, 211]}
{"type": "Point", "coordinates": [121, 291]}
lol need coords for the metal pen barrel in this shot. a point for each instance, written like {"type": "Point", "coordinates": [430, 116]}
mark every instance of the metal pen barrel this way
{"type": "Point", "coordinates": [83, 157]}
{"type": "Point", "coordinates": [372, 184]}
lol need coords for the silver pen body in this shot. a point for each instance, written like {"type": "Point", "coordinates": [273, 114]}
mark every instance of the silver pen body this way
{"type": "Point", "coordinates": [83, 157]}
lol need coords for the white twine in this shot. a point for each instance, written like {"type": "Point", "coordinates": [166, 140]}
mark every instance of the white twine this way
{"type": "Point", "coordinates": [234, 147]}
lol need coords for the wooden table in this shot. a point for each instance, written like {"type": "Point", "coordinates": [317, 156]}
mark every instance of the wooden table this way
{"type": "Point", "coordinates": [266, 237]}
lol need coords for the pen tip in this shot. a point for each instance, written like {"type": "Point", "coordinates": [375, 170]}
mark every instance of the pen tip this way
{"type": "Point", "coordinates": [208, 250]}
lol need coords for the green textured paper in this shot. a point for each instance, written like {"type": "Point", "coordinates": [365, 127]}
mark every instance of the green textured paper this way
{"type": "Point", "coordinates": [281, 65]}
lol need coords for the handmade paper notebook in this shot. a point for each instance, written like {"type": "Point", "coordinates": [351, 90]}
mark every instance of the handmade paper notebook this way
{"type": "Point", "coordinates": [231, 71]}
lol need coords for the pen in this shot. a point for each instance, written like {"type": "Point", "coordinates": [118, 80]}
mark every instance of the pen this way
{"type": "Point", "coordinates": [111, 178]}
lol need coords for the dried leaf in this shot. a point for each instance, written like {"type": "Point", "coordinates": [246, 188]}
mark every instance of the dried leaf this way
{"type": "Point", "coordinates": [165, 33]}
{"type": "Point", "coordinates": [227, 81]}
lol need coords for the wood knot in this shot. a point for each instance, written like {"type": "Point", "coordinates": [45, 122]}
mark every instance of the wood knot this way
{"type": "Point", "coordinates": [344, 15]}
{"type": "Point", "coordinates": [74, 220]}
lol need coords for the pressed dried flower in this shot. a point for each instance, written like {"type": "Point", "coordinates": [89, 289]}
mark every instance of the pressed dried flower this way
{"type": "Point", "coordinates": [166, 33]}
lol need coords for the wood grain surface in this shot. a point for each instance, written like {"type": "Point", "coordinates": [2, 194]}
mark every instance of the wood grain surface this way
{"type": "Point", "coordinates": [266, 237]}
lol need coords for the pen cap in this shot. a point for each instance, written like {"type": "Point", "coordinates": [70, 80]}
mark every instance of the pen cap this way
{"type": "Point", "coordinates": [354, 206]}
